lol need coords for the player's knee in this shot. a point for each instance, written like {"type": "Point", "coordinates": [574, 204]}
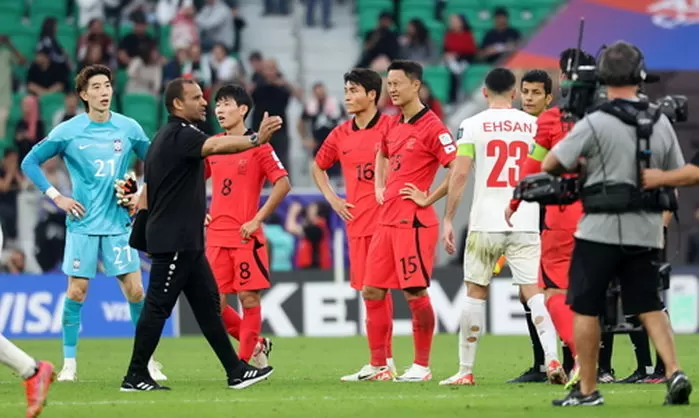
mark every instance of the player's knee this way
{"type": "Point", "coordinates": [135, 294]}
{"type": "Point", "coordinates": [373, 293]}
{"type": "Point", "coordinates": [550, 292]}
{"type": "Point", "coordinates": [77, 289]}
{"type": "Point", "coordinates": [476, 291]}
{"type": "Point", "coordinates": [249, 299]}
{"type": "Point", "coordinates": [414, 292]}
{"type": "Point", "coordinates": [529, 290]}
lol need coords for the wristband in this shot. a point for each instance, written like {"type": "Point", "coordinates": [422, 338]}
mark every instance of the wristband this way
{"type": "Point", "coordinates": [514, 204]}
{"type": "Point", "coordinates": [52, 193]}
{"type": "Point", "coordinates": [254, 140]}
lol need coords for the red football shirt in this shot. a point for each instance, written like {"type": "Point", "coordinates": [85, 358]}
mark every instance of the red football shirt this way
{"type": "Point", "coordinates": [237, 181]}
{"type": "Point", "coordinates": [355, 149]}
{"type": "Point", "coordinates": [415, 150]}
{"type": "Point", "coordinates": [550, 131]}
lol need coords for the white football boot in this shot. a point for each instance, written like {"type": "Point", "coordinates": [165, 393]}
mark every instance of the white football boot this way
{"type": "Point", "coordinates": [368, 373]}
{"type": "Point", "coordinates": [392, 365]}
{"type": "Point", "coordinates": [459, 379]}
{"type": "Point", "coordinates": [416, 373]}
{"type": "Point", "coordinates": [69, 372]}
{"type": "Point", "coordinates": [261, 353]}
{"type": "Point", "coordinates": [155, 370]}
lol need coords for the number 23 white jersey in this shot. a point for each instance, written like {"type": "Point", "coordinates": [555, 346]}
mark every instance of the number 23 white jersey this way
{"type": "Point", "coordinates": [501, 141]}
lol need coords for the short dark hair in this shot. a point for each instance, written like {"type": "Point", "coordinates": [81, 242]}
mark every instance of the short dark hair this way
{"type": "Point", "coordinates": [619, 63]}
{"type": "Point", "coordinates": [412, 69]}
{"type": "Point", "coordinates": [568, 55]}
{"type": "Point", "coordinates": [84, 76]}
{"type": "Point", "coordinates": [255, 55]}
{"type": "Point", "coordinates": [235, 92]}
{"type": "Point", "coordinates": [538, 76]}
{"type": "Point", "coordinates": [500, 80]}
{"type": "Point", "coordinates": [368, 79]}
{"type": "Point", "coordinates": [175, 90]}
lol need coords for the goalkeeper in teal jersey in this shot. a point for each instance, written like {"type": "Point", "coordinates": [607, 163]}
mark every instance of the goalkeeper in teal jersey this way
{"type": "Point", "coordinates": [96, 147]}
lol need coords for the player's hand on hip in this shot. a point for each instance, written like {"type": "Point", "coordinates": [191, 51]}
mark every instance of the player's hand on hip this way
{"type": "Point", "coordinates": [71, 207]}
{"type": "Point", "coordinates": [508, 216]}
{"type": "Point", "coordinates": [652, 178]}
{"type": "Point", "coordinates": [249, 228]}
{"type": "Point", "coordinates": [207, 220]}
{"type": "Point", "coordinates": [268, 126]}
{"type": "Point", "coordinates": [411, 192]}
{"type": "Point", "coordinates": [448, 237]}
{"type": "Point", "coordinates": [379, 191]}
{"type": "Point", "coordinates": [342, 207]}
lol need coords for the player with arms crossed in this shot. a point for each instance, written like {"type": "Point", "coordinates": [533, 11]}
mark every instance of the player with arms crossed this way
{"type": "Point", "coordinates": [402, 251]}
{"type": "Point", "coordinates": [354, 144]}
{"type": "Point", "coordinates": [497, 140]}
{"type": "Point", "coordinates": [96, 147]}
{"type": "Point", "coordinates": [235, 245]}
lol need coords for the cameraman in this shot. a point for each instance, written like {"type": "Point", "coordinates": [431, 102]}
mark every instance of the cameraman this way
{"type": "Point", "coordinates": [601, 251]}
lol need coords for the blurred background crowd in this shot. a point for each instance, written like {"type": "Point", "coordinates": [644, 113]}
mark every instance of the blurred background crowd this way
{"type": "Point", "coordinates": [290, 55]}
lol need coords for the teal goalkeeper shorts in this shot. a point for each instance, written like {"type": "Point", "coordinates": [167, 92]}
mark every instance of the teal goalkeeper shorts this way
{"type": "Point", "coordinates": [82, 252]}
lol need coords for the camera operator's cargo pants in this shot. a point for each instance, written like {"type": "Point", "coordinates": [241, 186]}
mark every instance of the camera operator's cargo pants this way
{"type": "Point", "coordinates": [595, 265]}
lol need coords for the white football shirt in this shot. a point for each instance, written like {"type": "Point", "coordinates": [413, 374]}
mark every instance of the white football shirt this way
{"type": "Point", "coordinates": [501, 140]}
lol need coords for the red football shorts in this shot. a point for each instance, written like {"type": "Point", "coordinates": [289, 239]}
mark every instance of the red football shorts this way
{"type": "Point", "coordinates": [240, 269]}
{"type": "Point", "coordinates": [556, 252]}
{"type": "Point", "coordinates": [358, 251]}
{"type": "Point", "coordinates": [401, 258]}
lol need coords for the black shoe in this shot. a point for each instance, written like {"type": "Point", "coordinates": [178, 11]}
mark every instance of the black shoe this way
{"type": "Point", "coordinates": [248, 376]}
{"type": "Point", "coordinates": [133, 383]}
{"type": "Point", "coordinates": [605, 376]}
{"type": "Point", "coordinates": [575, 398]}
{"type": "Point", "coordinates": [533, 375]}
{"type": "Point", "coordinates": [636, 377]}
{"type": "Point", "coordinates": [654, 378]}
{"type": "Point", "coordinates": [678, 389]}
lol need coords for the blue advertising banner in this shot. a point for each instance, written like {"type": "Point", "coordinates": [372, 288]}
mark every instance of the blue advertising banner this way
{"type": "Point", "coordinates": [31, 306]}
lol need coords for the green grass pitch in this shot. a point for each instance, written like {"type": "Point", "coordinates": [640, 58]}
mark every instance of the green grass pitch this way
{"type": "Point", "coordinates": [306, 383]}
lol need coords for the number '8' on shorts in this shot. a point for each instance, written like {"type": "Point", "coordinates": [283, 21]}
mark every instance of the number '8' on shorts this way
{"type": "Point", "coordinates": [83, 251]}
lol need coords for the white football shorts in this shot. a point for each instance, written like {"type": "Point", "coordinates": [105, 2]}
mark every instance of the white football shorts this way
{"type": "Point", "coordinates": [522, 250]}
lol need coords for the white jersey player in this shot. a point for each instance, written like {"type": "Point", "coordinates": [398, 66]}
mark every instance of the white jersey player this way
{"type": "Point", "coordinates": [497, 142]}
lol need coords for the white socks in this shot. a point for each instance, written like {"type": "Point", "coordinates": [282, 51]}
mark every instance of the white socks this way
{"type": "Point", "coordinates": [20, 361]}
{"type": "Point", "coordinates": [544, 326]}
{"type": "Point", "coordinates": [472, 323]}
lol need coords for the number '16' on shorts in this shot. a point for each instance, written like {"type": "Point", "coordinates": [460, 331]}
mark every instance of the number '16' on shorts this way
{"type": "Point", "coordinates": [83, 251]}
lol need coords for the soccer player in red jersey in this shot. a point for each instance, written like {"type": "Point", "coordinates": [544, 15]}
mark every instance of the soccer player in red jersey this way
{"type": "Point", "coordinates": [402, 251]}
{"type": "Point", "coordinates": [561, 222]}
{"type": "Point", "coordinates": [354, 144]}
{"type": "Point", "coordinates": [235, 243]}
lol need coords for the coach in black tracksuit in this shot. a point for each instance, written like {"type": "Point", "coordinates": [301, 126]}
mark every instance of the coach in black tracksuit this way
{"type": "Point", "coordinates": [171, 229]}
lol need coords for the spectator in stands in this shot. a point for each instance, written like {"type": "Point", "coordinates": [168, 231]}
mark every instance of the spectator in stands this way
{"type": "Point", "coordinates": [49, 43]}
{"type": "Point", "coordinates": [30, 129]}
{"type": "Point", "coordinates": [197, 67]}
{"type": "Point", "coordinates": [92, 9]}
{"type": "Point", "coordinates": [226, 68]}
{"type": "Point", "coordinates": [430, 101]}
{"type": "Point", "coordinates": [173, 69]}
{"type": "Point", "coordinates": [145, 71]}
{"type": "Point", "coordinates": [15, 262]}
{"type": "Point", "coordinates": [280, 244]}
{"type": "Point", "coordinates": [183, 29]}
{"type": "Point", "coordinates": [94, 55]}
{"type": "Point", "coordinates": [11, 180]}
{"type": "Point", "coordinates": [130, 45]}
{"type": "Point", "coordinates": [321, 113]}
{"type": "Point", "coordinates": [382, 41]}
{"type": "Point", "coordinates": [215, 20]}
{"type": "Point", "coordinates": [325, 11]}
{"type": "Point", "coordinates": [255, 60]}
{"type": "Point", "coordinates": [502, 39]}
{"type": "Point", "coordinates": [459, 49]}
{"type": "Point", "coordinates": [310, 226]}
{"type": "Point", "coordinates": [416, 44]}
{"type": "Point", "coordinates": [272, 95]}
{"type": "Point", "coordinates": [45, 76]}
{"type": "Point", "coordinates": [8, 55]}
{"type": "Point", "coordinates": [276, 7]}
{"type": "Point", "coordinates": [71, 107]}
{"type": "Point", "coordinates": [167, 10]}
{"type": "Point", "coordinates": [95, 34]}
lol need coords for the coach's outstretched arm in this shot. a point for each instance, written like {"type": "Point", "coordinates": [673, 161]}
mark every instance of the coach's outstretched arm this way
{"type": "Point", "coordinates": [31, 167]}
{"type": "Point", "coordinates": [685, 176]}
{"type": "Point", "coordinates": [231, 144]}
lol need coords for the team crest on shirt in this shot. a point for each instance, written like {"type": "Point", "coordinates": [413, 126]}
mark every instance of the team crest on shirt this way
{"type": "Point", "coordinates": [117, 145]}
{"type": "Point", "coordinates": [76, 264]}
{"type": "Point", "coordinates": [242, 167]}
{"type": "Point", "coordinates": [411, 143]}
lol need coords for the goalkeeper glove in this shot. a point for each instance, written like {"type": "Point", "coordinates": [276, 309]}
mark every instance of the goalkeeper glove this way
{"type": "Point", "coordinates": [124, 187]}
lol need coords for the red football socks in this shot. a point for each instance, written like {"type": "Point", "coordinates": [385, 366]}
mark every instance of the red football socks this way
{"type": "Point", "coordinates": [231, 320]}
{"type": "Point", "coordinates": [423, 328]}
{"type": "Point", "coordinates": [389, 309]}
{"type": "Point", "coordinates": [249, 331]}
{"type": "Point", "coordinates": [562, 317]}
{"type": "Point", "coordinates": [377, 329]}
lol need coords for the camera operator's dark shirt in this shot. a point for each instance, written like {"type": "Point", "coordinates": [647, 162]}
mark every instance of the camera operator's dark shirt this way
{"type": "Point", "coordinates": [612, 157]}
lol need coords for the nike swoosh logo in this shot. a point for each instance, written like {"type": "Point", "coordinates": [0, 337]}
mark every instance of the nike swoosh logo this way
{"type": "Point", "coordinates": [407, 277]}
{"type": "Point", "coordinates": [83, 146]}
{"type": "Point", "coordinates": [346, 152]}
{"type": "Point", "coordinates": [363, 376]}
